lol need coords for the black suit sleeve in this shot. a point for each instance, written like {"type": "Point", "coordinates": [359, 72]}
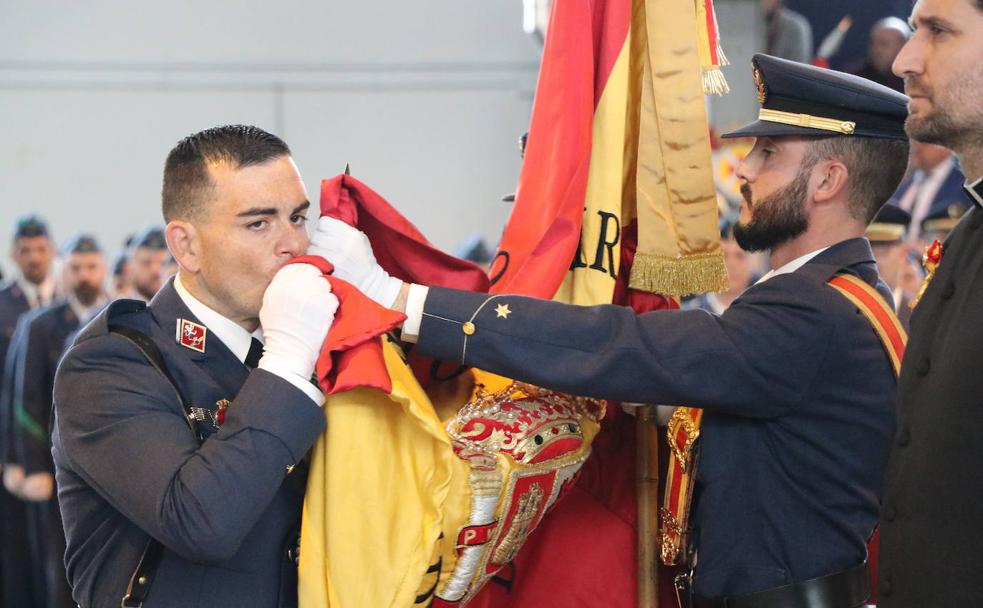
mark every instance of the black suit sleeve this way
{"type": "Point", "coordinates": [32, 398]}
{"type": "Point", "coordinates": [757, 359]}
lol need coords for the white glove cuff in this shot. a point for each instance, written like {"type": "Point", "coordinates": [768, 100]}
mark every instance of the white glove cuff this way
{"type": "Point", "coordinates": [389, 291]}
{"type": "Point", "coordinates": [294, 373]}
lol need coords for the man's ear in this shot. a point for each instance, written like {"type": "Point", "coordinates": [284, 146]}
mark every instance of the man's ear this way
{"type": "Point", "coordinates": [185, 246]}
{"type": "Point", "coordinates": [832, 177]}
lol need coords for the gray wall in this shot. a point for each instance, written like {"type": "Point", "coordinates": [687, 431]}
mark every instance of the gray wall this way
{"type": "Point", "coordinates": [425, 100]}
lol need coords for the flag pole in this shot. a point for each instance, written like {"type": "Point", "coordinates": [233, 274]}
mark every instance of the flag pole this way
{"type": "Point", "coordinates": [647, 490]}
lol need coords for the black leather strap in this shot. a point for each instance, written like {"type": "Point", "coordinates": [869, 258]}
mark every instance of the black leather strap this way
{"type": "Point", "coordinates": [846, 589]}
{"type": "Point", "coordinates": [143, 575]}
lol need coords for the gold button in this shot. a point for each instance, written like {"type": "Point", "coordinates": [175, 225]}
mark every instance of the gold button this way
{"type": "Point", "coordinates": [468, 328]}
{"type": "Point", "coordinates": [142, 580]}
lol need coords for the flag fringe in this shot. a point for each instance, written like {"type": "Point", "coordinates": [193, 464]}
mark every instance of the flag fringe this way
{"type": "Point", "coordinates": [679, 276]}
{"type": "Point", "coordinates": [714, 82]}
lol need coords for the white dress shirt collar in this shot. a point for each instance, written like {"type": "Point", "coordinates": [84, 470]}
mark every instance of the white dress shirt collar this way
{"type": "Point", "coordinates": [233, 335]}
{"type": "Point", "coordinates": [974, 191]}
{"type": "Point", "coordinates": [84, 313]}
{"type": "Point", "coordinates": [38, 295]}
{"type": "Point", "coordinates": [792, 266]}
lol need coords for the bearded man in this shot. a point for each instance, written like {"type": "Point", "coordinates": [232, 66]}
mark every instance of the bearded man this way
{"type": "Point", "coordinates": [796, 386]}
{"type": "Point", "coordinates": [44, 343]}
{"type": "Point", "coordinates": [931, 528]}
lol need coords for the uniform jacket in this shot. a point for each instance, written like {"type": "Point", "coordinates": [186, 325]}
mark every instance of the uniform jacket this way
{"type": "Point", "coordinates": [931, 530]}
{"type": "Point", "coordinates": [797, 388]}
{"type": "Point", "coordinates": [128, 466]}
{"type": "Point", "coordinates": [44, 344]}
{"type": "Point", "coordinates": [13, 304]}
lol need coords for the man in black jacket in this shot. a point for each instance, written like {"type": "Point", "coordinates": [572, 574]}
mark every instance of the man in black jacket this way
{"type": "Point", "coordinates": [931, 523]}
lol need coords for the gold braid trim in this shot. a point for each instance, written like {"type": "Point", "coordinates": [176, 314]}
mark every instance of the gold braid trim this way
{"type": "Point", "coordinates": [679, 276]}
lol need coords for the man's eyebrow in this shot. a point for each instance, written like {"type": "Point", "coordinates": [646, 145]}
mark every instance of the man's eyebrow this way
{"type": "Point", "coordinates": [928, 21]}
{"type": "Point", "coordinates": [257, 211]}
{"type": "Point", "coordinates": [263, 211]}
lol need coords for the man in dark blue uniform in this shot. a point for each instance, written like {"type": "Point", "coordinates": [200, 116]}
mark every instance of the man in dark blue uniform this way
{"type": "Point", "coordinates": [44, 342]}
{"type": "Point", "coordinates": [172, 516]}
{"type": "Point", "coordinates": [33, 253]}
{"type": "Point", "coordinates": [798, 390]}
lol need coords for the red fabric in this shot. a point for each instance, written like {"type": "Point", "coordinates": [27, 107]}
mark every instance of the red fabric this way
{"type": "Point", "coordinates": [873, 558]}
{"type": "Point", "coordinates": [542, 233]}
{"type": "Point", "coordinates": [399, 247]}
{"type": "Point", "coordinates": [351, 356]}
{"type": "Point", "coordinates": [403, 252]}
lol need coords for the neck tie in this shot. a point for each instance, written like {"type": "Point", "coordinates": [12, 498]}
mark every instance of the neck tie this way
{"type": "Point", "coordinates": [255, 352]}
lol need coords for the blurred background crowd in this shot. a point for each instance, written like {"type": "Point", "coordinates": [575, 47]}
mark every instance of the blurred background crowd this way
{"type": "Point", "coordinates": [425, 102]}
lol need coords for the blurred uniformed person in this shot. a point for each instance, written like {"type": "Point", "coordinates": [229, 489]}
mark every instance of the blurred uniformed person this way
{"type": "Point", "coordinates": [158, 512]}
{"type": "Point", "coordinates": [887, 235]}
{"type": "Point", "coordinates": [84, 275]}
{"type": "Point", "coordinates": [940, 224]}
{"type": "Point", "coordinates": [797, 388]}
{"type": "Point", "coordinates": [146, 264]}
{"type": "Point", "coordinates": [935, 183]}
{"type": "Point", "coordinates": [32, 286]}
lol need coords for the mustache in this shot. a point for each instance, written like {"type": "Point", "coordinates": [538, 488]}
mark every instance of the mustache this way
{"type": "Point", "coordinates": [912, 86]}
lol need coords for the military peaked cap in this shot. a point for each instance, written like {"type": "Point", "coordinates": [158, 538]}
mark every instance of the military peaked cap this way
{"type": "Point", "coordinates": [889, 226]}
{"type": "Point", "coordinates": [83, 243]}
{"type": "Point", "coordinates": [152, 238]}
{"type": "Point", "coordinates": [30, 226]}
{"type": "Point", "coordinates": [805, 100]}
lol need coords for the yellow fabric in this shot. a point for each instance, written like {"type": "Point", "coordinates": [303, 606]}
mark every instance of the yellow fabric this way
{"type": "Point", "coordinates": [676, 197]}
{"type": "Point", "coordinates": [371, 547]}
{"type": "Point", "coordinates": [592, 281]}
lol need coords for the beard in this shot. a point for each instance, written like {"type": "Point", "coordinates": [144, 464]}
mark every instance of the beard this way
{"type": "Point", "coordinates": [147, 289]}
{"type": "Point", "coordinates": [775, 219]}
{"type": "Point", "coordinates": [952, 120]}
{"type": "Point", "coordinates": [87, 294]}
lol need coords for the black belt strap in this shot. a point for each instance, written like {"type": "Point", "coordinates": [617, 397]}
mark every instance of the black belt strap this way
{"type": "Point", "coordinates": [143, 575]}
{"type": "Point", "coordinates": [846, 589]}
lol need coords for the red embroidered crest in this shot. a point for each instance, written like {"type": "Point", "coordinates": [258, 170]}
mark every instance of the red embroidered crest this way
{"type": "Point", "coordinates": [191, 335]}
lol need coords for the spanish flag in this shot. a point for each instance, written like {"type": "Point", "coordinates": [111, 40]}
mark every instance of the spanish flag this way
{"type": "Point", "coordinates": [615, 204]}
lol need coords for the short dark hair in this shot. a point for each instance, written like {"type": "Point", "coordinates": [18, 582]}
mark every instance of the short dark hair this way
{"type": "Point", "coordinates": [876, 168]}
{"type": "Point", "coordinates": [186, 181]}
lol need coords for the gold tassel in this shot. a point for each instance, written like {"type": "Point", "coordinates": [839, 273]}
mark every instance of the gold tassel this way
{"type": "Point", "coordinates": [714, 82]}
{"type": "Point", "coordinates": [679, 276]}
{"type": "Point", "coordinates": [712, 55]}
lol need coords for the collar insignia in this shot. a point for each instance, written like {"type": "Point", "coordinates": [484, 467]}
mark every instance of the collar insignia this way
{"type": "Point", "coordinates": [191, 335]}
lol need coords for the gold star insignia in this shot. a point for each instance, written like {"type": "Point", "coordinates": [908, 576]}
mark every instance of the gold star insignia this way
{"type": "Point", "coordinates": [502, 310]}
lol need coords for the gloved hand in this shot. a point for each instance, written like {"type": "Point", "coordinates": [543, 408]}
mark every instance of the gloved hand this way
{"type": "Point", "coordinates": [297, 312]}
{"type": "Point", "coordinates": [351, 253]}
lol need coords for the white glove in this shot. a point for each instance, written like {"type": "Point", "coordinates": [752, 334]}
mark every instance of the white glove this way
{"type": "Point", "coordinates": [298, 309]}
{"type": "Point", "coordinates": [351, 253]}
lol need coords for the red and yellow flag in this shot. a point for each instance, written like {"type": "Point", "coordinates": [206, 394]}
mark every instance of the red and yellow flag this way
{"type": "Point", "coordinates": [615, 202]}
